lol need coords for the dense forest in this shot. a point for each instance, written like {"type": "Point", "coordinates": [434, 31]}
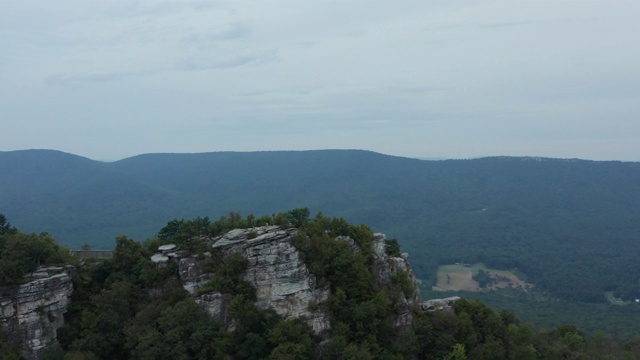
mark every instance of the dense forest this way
{"type": "Point", "coordinates": [126, 307]}
{"type": "Point", "coordinates": [22, 253]}
{"type": "Point", "coordinates": [569, 226]}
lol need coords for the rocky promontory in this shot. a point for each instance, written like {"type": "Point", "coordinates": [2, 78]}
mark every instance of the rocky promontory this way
{"type": "Point", "coordinates": [32, 313]}
{"type": "Point", "coordinates": [279, 275]}
{"type": "Point", "coordinates": [277, 270]}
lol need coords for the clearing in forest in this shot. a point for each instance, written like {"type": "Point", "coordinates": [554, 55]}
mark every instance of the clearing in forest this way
{"type": "Point", "coordinates": [463, 277]}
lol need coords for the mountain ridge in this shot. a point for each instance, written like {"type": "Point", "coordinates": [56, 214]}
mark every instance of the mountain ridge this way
{"type": "Point", "coordinates": [510, 212]}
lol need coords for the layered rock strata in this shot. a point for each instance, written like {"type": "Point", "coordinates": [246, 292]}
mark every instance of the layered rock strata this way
{"type": "Point", "coordinates": [280, 278]}
{"type": "Point", "coordinates": [445, 304]}
{"type": "Point", "coordinates": [31, 313]}
{"type": "Point", "coordinates": [387, 266]}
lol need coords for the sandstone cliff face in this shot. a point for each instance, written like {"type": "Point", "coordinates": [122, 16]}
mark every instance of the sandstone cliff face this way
{"type": "Point", "coordinates": [31, 313]}
{"type": "Point", "coordinates": [281, 279]}
{"type": "Point", "coordinates": [387, 266]}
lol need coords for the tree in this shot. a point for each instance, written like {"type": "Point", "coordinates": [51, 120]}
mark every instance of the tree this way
{"type": "Point", "coordinates": [392, 248]}
{"type": "Point", "coordinates": [292, 339]}
{"type": "Point", "coordinates": [5, 226]}
{"type": "Point", "coordinates": [22, 253]}
{"type": "Point", "coordinates": [129, 258]}
{"type": "Point", "coordinates": [102, 326]}
{"type": "Point", "coordinates": [171, 229]}
{"type": "Point", "coordinates": [182, 331]}
{"type": "Point", "coordinates": [7, 350]}
{"type": "Point", "coordinates": [458, 353]}
{"type": "Point", "coordinates": [299, 216]}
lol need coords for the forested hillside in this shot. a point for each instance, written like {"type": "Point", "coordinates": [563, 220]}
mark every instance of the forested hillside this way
{"type": "Point", "coordinates": [129, 307]}
{"type": "Point", "coordinates": [570, 226]}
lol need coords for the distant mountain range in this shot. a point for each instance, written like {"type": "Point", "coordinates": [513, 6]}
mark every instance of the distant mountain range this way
{"type": "Point", "coordinates": [80, 201]}
{"type": "Point", "coordinates": [572, 226]}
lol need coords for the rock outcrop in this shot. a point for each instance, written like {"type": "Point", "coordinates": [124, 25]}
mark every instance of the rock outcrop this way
{"type": "Point", "coordinates": [281, 280]}
{"type": "Point", "coordinates": [445, 304]}
{"type": "Point", "coordinates": [31, 313]}
{"type": "Point", "coordinates": [280, 277]}
{"type": "Point", "coordinates": [387, 266]}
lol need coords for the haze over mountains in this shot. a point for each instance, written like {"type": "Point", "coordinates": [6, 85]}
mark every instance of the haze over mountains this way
{"type": "Point", "coordinates": [553, 219]}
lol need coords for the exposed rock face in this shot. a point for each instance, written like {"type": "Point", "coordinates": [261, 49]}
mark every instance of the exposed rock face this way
{"type": "Point", "coordinates": [276, 271]}
{"type": "Point", "coordinates": [445, 304]}
{"type": "Point", "coordinates": [281, 279]}
{"type": "Point", "coordinates": [192, 273]}
{"type": "Point", "coordinates": [387, 266]}
{"type": "Point", "coordinates": [217, 305]}
{"type": "Point", "coordinates": [30, 314]}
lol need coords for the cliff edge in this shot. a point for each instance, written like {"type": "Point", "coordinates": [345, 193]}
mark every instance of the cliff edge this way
{"type": "Point", "coordinates": [32, 313]}
{"type": "Point", "coordinates": [282, 280]}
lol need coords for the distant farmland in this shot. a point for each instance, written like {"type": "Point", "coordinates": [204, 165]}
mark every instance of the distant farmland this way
{"type": "Point", "coordinates": [461, 278]}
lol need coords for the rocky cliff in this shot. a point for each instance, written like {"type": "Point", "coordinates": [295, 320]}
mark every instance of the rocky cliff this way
{"type": "Point", "coordinates": [281, 279]}
{"type": "Point", "coordinates": [389, 265]}
{"type": "Point", "coordinates": [31, 313]}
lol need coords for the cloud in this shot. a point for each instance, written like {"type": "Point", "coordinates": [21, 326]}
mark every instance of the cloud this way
{"type": "Point", "coordinates": [509, 24]}
{"type": "Point", "coordinates": [454, 78]}
{"type": "Point", "coordinates": [184, 65]}
{"type": "Point", "coordinates": [193, 64]}
{"type": "Point", "coordinates": [64, 80]}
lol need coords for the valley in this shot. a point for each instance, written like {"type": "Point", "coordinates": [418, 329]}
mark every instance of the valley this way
{"type": "Point", "coordinates": [570, 225]}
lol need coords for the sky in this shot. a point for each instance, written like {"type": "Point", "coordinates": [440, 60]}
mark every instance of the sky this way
{"type": "Point", "coordinates": [428, 79]}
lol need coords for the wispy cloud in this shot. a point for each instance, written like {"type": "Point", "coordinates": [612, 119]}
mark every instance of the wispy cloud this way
{"type": "Point", "coordinates": [211, 63]}
{"type": "Point", "coordinates": [509, 24]}
{"type": "Point", "coordinates": [194, 64]}
{"type": "Point", "coordinates": [236, 32]}
{"type": "Point", "coordinates": [448, 76]}
{"type": "Point", "coordinates": [544, 21]}
{"type": "Point", "coordinates": [66, 80]}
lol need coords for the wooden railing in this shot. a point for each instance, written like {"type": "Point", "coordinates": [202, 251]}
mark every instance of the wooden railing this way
{"type": "Point", "coordinates": [92, 254]}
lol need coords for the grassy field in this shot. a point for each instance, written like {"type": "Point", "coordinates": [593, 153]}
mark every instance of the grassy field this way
{"type": "Point", "coordinates": [536, 306]}
{"type": "Point", "coordinates": [615, 301]}
{"type": "Point", "coordinates": [459, 277]}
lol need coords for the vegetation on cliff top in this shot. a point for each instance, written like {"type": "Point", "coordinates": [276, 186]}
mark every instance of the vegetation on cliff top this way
{"type": "Point", "coordinates": [21, 254]}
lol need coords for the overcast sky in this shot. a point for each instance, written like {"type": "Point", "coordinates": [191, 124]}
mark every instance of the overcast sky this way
{"type": "Point", "coordinates": [448, 79]}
